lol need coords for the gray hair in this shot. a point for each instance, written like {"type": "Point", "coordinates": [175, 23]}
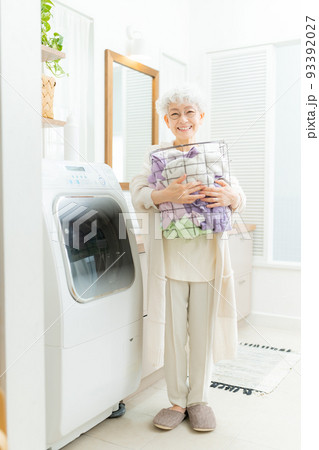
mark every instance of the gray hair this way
{"type": "Point", "coordinates": [185, 94]}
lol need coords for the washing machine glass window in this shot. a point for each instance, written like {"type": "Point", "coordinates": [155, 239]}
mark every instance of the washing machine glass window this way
{"type": "Point", "coordinates": [96, 249]}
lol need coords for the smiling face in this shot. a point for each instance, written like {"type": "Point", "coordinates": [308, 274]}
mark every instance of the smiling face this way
{"type": "Point", "coordinates": [183, 120]}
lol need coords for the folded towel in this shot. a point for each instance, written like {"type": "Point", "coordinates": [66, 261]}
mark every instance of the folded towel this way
{"type": "Point", "coordinates": [201, 163]}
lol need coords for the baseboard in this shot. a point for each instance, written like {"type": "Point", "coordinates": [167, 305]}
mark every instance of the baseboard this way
{"type": "Point", "coordinates": [147, 382]}
{"type": "Point", "coordinates": [273, 321]}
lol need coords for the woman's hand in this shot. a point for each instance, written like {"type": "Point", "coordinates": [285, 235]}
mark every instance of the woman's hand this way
{"type": "Point", "coordinates": [220, 196]}
{"type": "Point", "coordinates": [177, 192]}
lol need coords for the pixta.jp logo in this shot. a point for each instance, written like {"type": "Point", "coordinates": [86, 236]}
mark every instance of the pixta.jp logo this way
{"type": "Point", "coordinates": [77, 224]}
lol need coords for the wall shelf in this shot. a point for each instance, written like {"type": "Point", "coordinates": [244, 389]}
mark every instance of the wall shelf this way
{"type": "Point", "coordinates": [47, 123]}
{"type": "Point", "coordinates": [50, 54]}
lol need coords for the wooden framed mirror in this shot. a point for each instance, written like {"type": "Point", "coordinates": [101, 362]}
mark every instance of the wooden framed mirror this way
{"type": "Point", "coordinates": [131, 121]}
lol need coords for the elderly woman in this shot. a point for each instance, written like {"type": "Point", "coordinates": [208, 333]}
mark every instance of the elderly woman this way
{"type": "Point", "coordinates": [193, 276]}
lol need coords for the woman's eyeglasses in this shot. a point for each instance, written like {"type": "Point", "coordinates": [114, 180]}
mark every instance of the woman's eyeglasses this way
{"type": "Point", "coordinates": [190, 113]}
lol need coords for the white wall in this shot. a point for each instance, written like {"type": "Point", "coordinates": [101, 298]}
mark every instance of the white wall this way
{"type": "Point", "coordinates": [234, 24]}
{"type": "Point", "coordinates": [21, 224]}
{"type": "Point", "coordinates": [276, 291]}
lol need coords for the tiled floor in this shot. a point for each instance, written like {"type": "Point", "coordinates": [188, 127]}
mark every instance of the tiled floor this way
{"type": "Point", "coordinates": [270, 422]}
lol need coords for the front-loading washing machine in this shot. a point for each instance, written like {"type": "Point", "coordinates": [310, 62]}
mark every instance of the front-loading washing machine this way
{"type": "Point", "coordinates": [93, 298]}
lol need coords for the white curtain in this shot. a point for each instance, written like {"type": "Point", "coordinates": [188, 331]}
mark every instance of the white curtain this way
{"type": "Point", "coordinates": [73, 98]}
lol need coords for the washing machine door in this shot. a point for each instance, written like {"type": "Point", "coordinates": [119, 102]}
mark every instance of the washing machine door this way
{"type": "Point", "coordinates": [96, 250]}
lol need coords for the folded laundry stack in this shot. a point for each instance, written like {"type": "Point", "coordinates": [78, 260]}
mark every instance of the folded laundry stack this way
{"type": "Point", "coordinates": [205, 162]}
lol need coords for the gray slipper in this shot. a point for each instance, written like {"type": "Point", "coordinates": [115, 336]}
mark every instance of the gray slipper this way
{"type": "Point", "coordinates": [167, 419]}
{"type": "Point", "coordinates": [201, 417]}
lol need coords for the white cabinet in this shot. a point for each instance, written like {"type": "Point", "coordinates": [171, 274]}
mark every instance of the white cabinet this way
{"type": "Point", "coordinates": [243, 294]}
{"type": "Point", "coordinates": [143, 261]}
{"type": "Point", "coordinates": [241, 252]}
{"type": "Point", "coordinates": [153, 332]}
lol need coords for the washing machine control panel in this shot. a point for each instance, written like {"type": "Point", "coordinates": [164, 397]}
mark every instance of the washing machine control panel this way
{"type": "Point", "coordinates": [85, 176]}
{"type": "Point", "coordinates": [73, 175]}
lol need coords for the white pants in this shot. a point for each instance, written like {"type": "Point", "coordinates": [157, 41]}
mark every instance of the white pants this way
{"type": "Point", "coordinates": [189, 312]}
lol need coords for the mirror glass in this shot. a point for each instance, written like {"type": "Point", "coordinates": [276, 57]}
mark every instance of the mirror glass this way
{"type": "Point", "coordinates": [132, 120]}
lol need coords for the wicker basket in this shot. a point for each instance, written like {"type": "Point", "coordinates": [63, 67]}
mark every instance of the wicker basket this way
{"type": "Point", "coordinates": [48, 85]}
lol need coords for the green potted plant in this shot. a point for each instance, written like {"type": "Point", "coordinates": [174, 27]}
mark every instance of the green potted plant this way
{"type": "Point", "coordinates": [56, 42]}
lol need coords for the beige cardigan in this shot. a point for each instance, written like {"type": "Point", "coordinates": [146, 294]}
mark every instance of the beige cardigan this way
{"type": "Point", "coordinates": [225, 318]}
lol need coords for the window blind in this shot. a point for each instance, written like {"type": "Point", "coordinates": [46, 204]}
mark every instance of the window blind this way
{"type": "Point", "coordinates": [237, 105]}
{"type": "Point", "coordinates": [138, 121]}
